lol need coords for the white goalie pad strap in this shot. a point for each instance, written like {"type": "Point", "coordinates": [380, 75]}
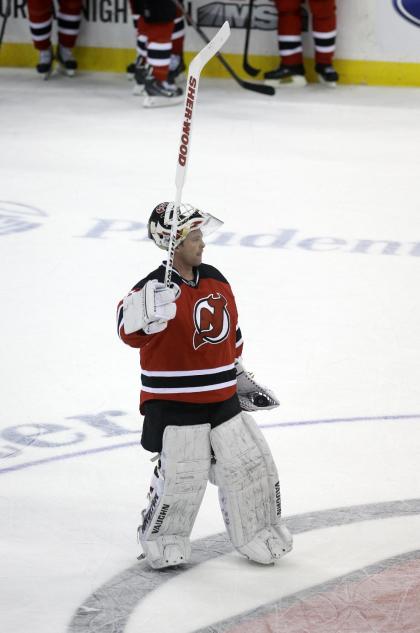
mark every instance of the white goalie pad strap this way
{"type": "Point", "coordinates": [176, 493]}
{"type": "Point", "coordinates": [249, 489]}
{"type": "Point", "coordinates": [150, 308]}
{"type": "Point", "coordinates": [253, 396]}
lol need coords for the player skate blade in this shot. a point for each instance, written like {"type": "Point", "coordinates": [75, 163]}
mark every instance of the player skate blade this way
{"type": "Point", "coordinates": [298, 81]}
{"type": "Point", "coordinates": [328, 84]}
{"type": "Point", "coordinates": [67, 72]}
{"type": "Point", "coordinates": [138, 90]}
{"type": "Point", "coordinates": [161, 102]}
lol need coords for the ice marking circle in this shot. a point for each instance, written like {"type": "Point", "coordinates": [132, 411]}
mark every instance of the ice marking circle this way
{"type": "Point", "coordinates": [109, 607]}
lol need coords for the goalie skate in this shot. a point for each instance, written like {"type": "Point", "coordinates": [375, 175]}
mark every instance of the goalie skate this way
{"type": "Point", "coordinates": [269, 545]}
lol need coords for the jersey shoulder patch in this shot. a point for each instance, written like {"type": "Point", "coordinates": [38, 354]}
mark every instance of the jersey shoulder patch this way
{"type": "Point", "coordinates": [158, 274]}
{"type": "Point", "coordinates": [210, 272]}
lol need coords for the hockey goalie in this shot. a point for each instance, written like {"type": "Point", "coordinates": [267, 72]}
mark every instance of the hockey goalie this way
{"type": "Point", "coordinates": [197, 400]}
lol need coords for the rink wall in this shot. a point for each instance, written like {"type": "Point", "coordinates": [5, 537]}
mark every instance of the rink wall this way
{"type": "Point", "coordinates": [378, 41]}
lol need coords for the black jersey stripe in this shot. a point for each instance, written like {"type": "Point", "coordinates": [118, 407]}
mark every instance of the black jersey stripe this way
{"type": "Point", "coordinates": [179, 382]}
{"type": "Point", "coordinates": [323, 42]}
{"type": "Point", "coordinates": [40, 31]}
{"type": "Point", "coordinates": [289, 45]}
{"type": "Point", "coordinates": [71, 25]}
{"type": "Point", "coordinates": [158, 55]}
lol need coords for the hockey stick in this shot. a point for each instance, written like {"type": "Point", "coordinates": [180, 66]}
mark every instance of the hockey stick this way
{"type": "Point", "coordinates": [6, 15]}
{"type": "Point", "coordinates": [245, 63]}
{"type": "Point", "coordinates": [266, 90]}
{"type": "Point", "coordinates": [194, 71]}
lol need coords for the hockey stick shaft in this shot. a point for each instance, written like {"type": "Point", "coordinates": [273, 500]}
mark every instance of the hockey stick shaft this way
{"type": "Point", "coordinates": [267, 90]}
{"type": "Point", "coordinates": [6, 15]}
{"type": "Point", "coordinates": [245, 63]}
{"type": "Point", "coordinates": [194, 71]}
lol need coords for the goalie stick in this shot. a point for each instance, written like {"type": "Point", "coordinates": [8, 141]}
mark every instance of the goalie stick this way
{"type": "Point", "coordinates": [245, 62]}
{"type": "Point", "coordinates": [261, 88]}
{"type": "Point", "coordinates": [194, 71]}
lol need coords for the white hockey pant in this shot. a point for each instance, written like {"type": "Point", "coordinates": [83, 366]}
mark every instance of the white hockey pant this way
{"type": "Point", "coordinates": [249, 490]}
{"type": "Point", "coordinates": [176, 492]}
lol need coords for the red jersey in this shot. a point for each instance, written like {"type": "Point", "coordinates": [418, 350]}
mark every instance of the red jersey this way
{"type": "Point", "coordinates": [193, 359]}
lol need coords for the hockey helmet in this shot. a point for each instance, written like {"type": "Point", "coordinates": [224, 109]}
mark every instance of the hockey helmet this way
{"type": "Point", "coordinates": [189, 219]}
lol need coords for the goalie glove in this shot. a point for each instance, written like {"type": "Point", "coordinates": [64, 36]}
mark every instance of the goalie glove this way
{"type": "Point", "coordinates": [150, 308]}
{"type": "Point", "coordinates": [252, 396]}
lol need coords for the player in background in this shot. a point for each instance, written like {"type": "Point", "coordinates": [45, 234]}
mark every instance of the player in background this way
{"type": "Point", "coordinates": [324, 31]}
{"type": "Point", "coordinates": [160, 38]}
{"type": "Point", "coordinates": [41, 22]}
{"type": "Point", "coordinates": [176, 64]}
{"type": "Point", "coordinates": [195, 395]}
{"type": "Point", "coordinates": [135, 6]}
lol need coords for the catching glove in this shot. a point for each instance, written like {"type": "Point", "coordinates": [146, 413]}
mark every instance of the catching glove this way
{"type": "Point", "coordinates": [253, 396]}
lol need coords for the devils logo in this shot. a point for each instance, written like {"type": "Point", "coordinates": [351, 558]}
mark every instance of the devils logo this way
{"type": "Point", "coordinates": [211, 320]}
{"type": "Point", "coordinates": [409, 9]}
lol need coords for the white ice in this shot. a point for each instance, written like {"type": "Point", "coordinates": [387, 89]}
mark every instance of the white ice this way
{"type": "Point", "coordinates": [332, 325]}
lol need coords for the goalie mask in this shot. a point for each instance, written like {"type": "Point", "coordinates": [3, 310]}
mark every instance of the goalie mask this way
{"type": "Point", "coordinates": [189, 219]}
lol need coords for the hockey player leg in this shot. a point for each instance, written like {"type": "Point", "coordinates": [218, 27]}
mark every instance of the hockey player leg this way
{"type": "Point", "coordinates": [249, 490]}
{"type": "Point", "coordinates": [40, 22]}
{"type": "Point", "coordinates": [175, 496]}
{"type": "Point", "coordinates": [291, 72]}
{"type": "Point", "coordinates": [177, 64]}
{"type": "Point", "coordinates": [160, 92]}
{"type": "Point", "coordinates": [324, 30]}
{"type": "Point", "coordinates": [68, 18]}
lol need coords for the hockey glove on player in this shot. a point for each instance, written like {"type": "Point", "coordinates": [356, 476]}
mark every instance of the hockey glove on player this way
{"type": "Point", "coordinates": [150, 308]}
{"type": "Point", "coordinates": [252, 396]}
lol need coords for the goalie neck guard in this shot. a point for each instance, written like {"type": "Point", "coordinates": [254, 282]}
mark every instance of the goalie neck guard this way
{"type": "Point", "coordinates": [189, 219]}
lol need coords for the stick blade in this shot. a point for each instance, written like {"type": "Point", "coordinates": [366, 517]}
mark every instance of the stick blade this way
{"type": "Point", "coordinates": [258, 87]}
{"type": "Point", "coordinates": [250, 70]}
{"type": "Point", "coordinates": [213, 47]}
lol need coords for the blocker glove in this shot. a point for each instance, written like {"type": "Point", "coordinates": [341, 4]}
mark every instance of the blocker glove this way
{"type": "Point", "coordinates": [252, 396]}
{"type": "Point", "coordinates": [150, 308]}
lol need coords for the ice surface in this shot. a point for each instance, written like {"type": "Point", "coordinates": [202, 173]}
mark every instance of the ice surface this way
{"type": "Point", "coordinates": [319, 193]}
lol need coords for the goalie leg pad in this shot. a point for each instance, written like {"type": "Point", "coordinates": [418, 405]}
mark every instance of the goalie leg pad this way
{"type": "Point", "coordinates": [176, 492]}
{"type": "Point", "coordinates": [249, 490]}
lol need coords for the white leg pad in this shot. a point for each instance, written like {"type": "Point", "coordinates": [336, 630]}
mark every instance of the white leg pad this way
{"type": "Point", "coordinates": [249, 490]}
{"type": "Point", "coordinates": [177, 490]}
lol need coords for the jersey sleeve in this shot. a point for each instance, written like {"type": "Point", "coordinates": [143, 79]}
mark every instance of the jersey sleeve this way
{"type": "Point", "coordinates": [136, 339]}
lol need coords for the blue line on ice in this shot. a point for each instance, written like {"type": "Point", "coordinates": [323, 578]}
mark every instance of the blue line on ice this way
{"type": "Point", "coordinates": [102, 449]}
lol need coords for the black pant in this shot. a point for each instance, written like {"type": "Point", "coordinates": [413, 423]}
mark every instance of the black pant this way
{"type": "Point", "coordinates": [162, 413]}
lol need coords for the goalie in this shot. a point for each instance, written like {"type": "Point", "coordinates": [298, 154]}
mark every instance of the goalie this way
{"type": "Point", "coordinates": [195, 398]}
